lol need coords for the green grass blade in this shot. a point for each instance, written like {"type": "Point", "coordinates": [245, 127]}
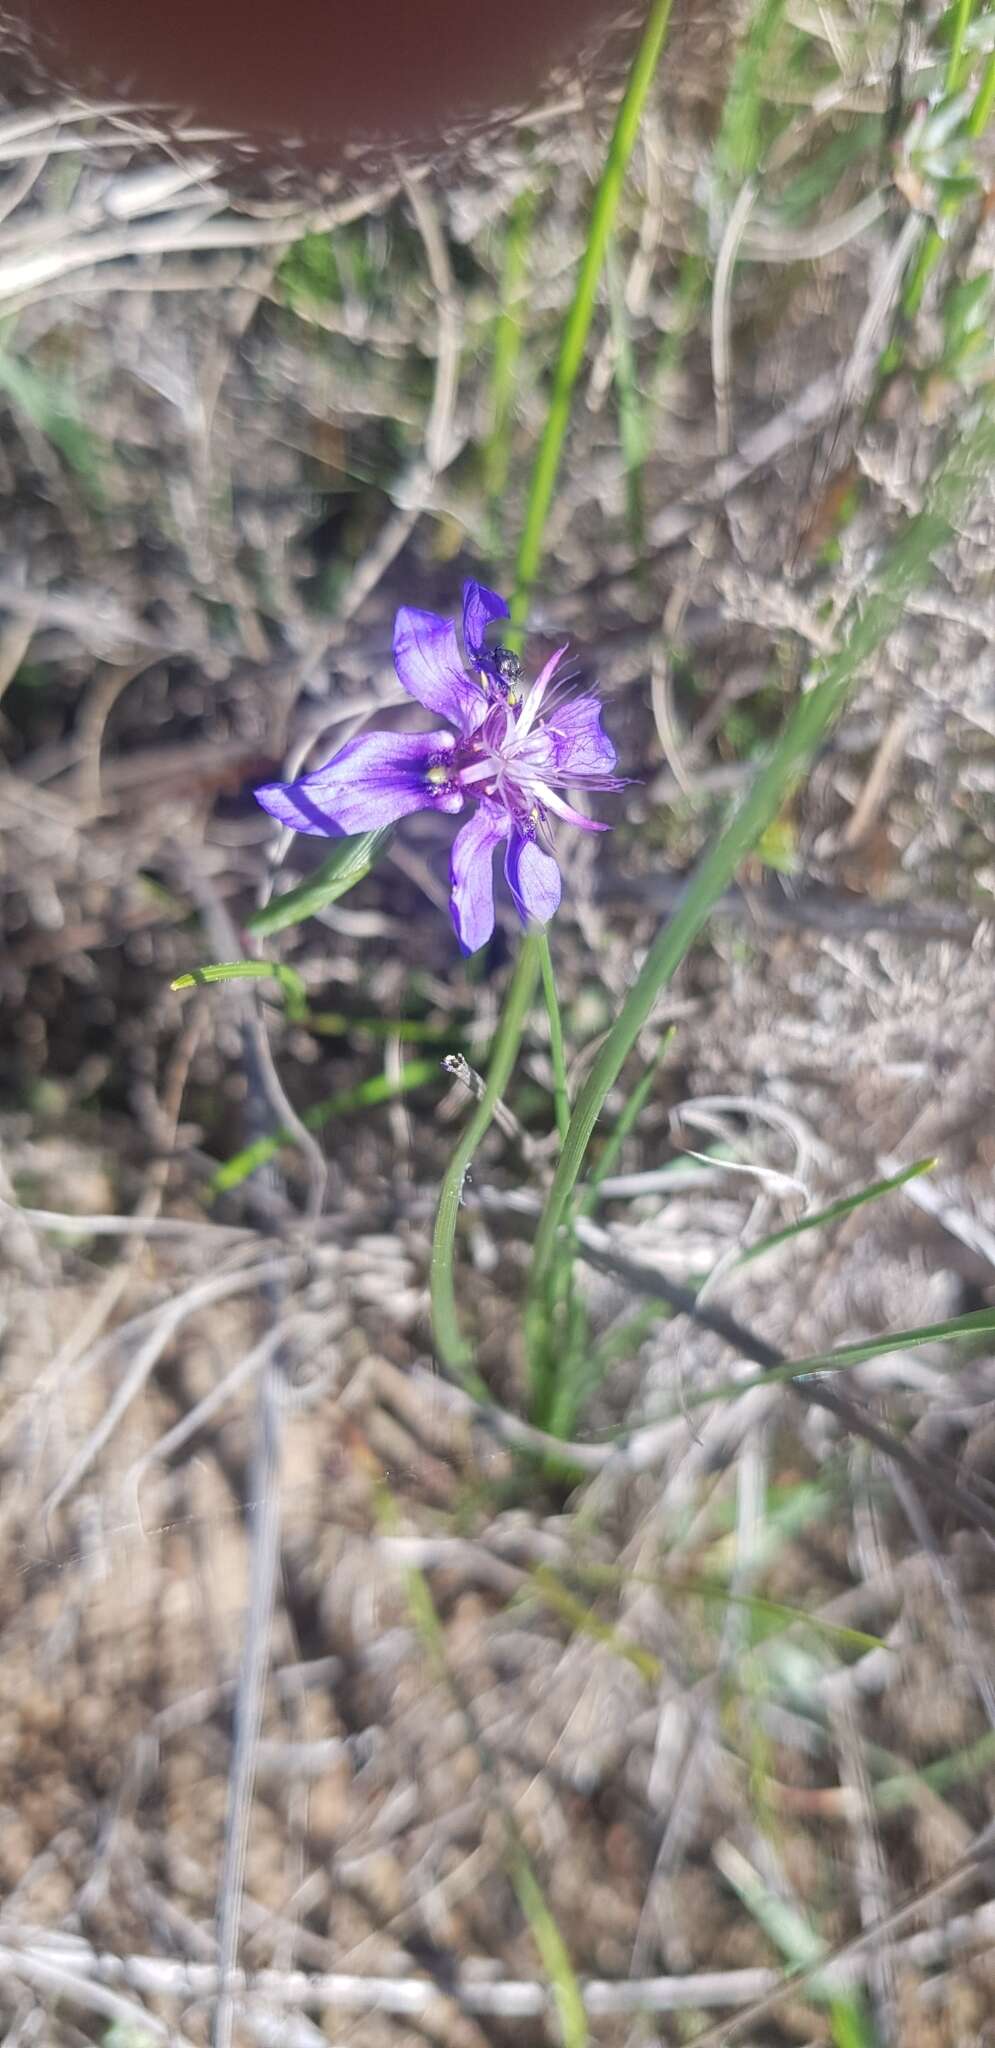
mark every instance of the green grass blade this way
{"type": "Point", "coordinates": [368, 1095]}
{"type": "Point", "coordinates": [779, 1612]}
{"type": "Point", "coordinates": [958, 57]}
{"type": "Point", "coordinates": [50, 407]}
{"type": "Point", "coordinates": [549, 1587]}
{"type": "Point", "coordinates": [816, 711]}
{"type": "Point", "coordinates": [454, 1351]}
{"type": "Point", "coordinates": [937, 237]}
{"type": "Point", "coordinates": [799, 1944]}
{"type": "Point", "coordinates": [980, 1322]}
{"type": "Point", "coordinates": [687, 299]}
{"type": "Point", "coordinates": [739, 145]}
{"type": "Point", "coordinates": [561, 1099]}
{"type": "Point", "coordinates": [578, 321]}
{"type": "Point", "coordinates": [407, 1030]}
{"type": "Point", "coordinates": [553, 1952]}
{"type": "Point", "coordinates": [620, 1342]}
{"type": "Point", "coordinates": [351, 858]}
{"type": "Point", "coordinates": [981, 112]}
{"type": "Point", "coordinates": [290, 981]}
{"type": "Point", "coordinates": [844, 1207]}
{"type": "Point", "coordinates": [905, 1787]}
{"type": "Point", "coordinates": [808, 724]}
{"type": "Point", "coordinates": [691, 1586]}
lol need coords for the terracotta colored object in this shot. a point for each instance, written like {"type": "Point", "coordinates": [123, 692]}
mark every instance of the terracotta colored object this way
{"type": "Point", "coordinates": [321, 71]}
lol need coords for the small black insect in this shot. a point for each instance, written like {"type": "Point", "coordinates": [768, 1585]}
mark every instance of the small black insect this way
{"type": "Point", "coordinates": [507, 665]}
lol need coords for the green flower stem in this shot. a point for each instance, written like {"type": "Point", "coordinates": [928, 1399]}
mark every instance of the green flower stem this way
{"type": "Point", "coordinates": [578, 320]}
{"type": "Point", "coordinates": [956, 59]}
{"type": "Point", "coordinates": [561, 1099]}
{"type": "Point", "coordinates": [454, 1351]}
{"type": "Point", "coordinates": [556, 1332]}
{"type": "Point", "coordinates": [970, 458]}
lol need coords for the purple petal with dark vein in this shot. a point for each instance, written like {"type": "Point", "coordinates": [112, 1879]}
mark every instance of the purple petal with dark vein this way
{"type": "Point", "coordinates": [472, 875]}
{"type": "Point", "coordinates": [582, 749]}
{"type": "Point", "coordinates": [373, 780]}
{"type": "Point", "coordinates": [429, 667]}
{"type": "Point", "coordinates": [533, 878]}
{"type": "Point", "coordinates": [480, 607]}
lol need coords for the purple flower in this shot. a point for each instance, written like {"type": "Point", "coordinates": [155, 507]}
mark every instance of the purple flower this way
{"type": "Point", "coordinates": [511, 750]}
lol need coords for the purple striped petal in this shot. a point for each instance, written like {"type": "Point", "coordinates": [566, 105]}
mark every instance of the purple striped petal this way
{"type": "Point", "coordinates": [373, 780]}
{"type": "Point", "coordinates": [533, 878]}
{"type": "Point", "coordinates": [582, 749]}
{"type": "Point", "coordinates": [472, 875]}
{"type": "Point", "coordinates": [429, 667]}
{"type": "Point", "coordinates": [480, 607]}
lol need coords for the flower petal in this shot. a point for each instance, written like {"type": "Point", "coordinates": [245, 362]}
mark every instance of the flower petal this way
{"type": "Point", "coordinates": [530, 709]}
{"type": "Point", "coordinates": [552, 801]}
{"type": "Point", "coordinates": [373, 779]}
{"type": "Point", "coordinates": [582, 749]}
{"type": "Point", "coordinates": [533, 878]}
{"type": "Point", "coordinates": [472, 875]}
{"type": "Point", "coordinates": [480, 606]}
{"type": "Point", "coordinates": [429, 667]}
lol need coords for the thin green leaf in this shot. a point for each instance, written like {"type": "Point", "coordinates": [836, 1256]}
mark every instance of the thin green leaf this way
{"type": "Point", "coordinates": [455, 1352]}
{"type": "Point", "coordinates": [350, 859]}
{"type": "Point", "coordinates": [740, 143]}
{"type": "Point", "coordinates": [844, 1207]}
{"type": "Point", "coordinates": [822, 172]}
{"type": "Point", "coordinates": [407, 1030]}
{"type": "Point", "coordinates": [552, 1591]}
{"type": "Point", "coordinates": [777, 1611]}
{"type": "Point", "coordinates": [957, 57]}
{"type": "Point", "coordinates": [931, 248]}
{"type": "Point", "coordinates": [561, 1098]}
{"type": "Point", "coordinates": [798, 1942]}
{"type": "Point", "coordinates": [979, 1323]}
{"type": "Point", "coordinates": [290, 981]}
{"type": "Point", "coordinates": [980, 114]}
{"type": "Point", "coordinates": [694, 1587]}
{"type": "Point", "coordinates": [50, 407]}
{"type": "Point", "coordinates": [553, 1952]}
{"type": "Point", "coordinates": [870, 619]}
{"type": "Point", "coordinates": [578, 321]}
{"type": "Point", "coordinates": [368, 1095]}
{"type": "Point", "coordinates": [958, 1769]}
